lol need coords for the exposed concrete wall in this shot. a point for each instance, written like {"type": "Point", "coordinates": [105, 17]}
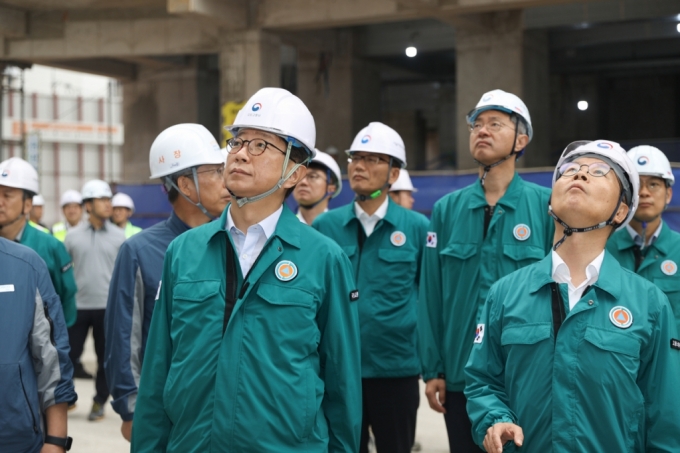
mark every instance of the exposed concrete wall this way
{"type": "Point", "coordinates": [153, 102]}
{"type": "Point", "coordinates": [537, 98]}
{"type": "Point", "coordinates": [489, 55]}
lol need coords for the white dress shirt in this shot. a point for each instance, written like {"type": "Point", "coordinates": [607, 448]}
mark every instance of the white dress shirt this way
{"type": "Point", "coordinates": [302, 219]}
{"type": "Point", "coordinates": [561, 274]}
{"type": "Point", "coordinates": [249, 245]}
{"type": "Point", "coordinates": [370, 221]}
{"type": "Point", "coordinates": [638, 239]}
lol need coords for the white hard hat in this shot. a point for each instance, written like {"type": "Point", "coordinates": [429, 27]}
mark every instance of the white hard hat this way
{"type": "Point", "coordinates": [123, 200]}
{"type": "Point", "coordinates": [96, 188]}
{"type": "Point", "coordinates": [651, 161]}
{"type": "Point", "coordinates": [504, 102]}
{"type": "Point", "coordinates": [19, 174]}
{"type": "Point", "coordinates": [327, 161]}
{"type": "Point", "coordinates": [613, 152]}
{"type": "Point", "coordinates": [280, 112]}
{"type": "Point", "coordinates": [225, 153]}
{"type": "Point", "coordinates": [38, 200]}
{"type": "Point", "coordinates": [403, 182]}
{"type": "Point", "coordinates": [71, 196]}
{"type": "Point", "coordinates": [379, 138]}
{"type": "Point", "coordinates": [183, 146]}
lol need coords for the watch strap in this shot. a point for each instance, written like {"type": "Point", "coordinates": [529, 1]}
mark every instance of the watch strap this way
{"type": "Point", "coordinates": [64, 442]}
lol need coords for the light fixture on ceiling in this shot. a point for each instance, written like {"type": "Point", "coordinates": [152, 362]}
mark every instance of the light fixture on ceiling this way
{"type": "Point", "coordinates": [582, 105]}
{"type": "Point", "coordinates": [411, 51]}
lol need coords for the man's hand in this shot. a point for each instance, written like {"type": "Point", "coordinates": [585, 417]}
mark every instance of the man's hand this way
{"type": "Point", "coordinates": [435, 391]}
{"type": "Point", "coordinates": [126, 430]}
{"type": "Point", "coordinates": [499, 434]}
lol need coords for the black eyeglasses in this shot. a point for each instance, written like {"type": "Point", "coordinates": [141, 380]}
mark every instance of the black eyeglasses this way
{"type": "Point", "coordinates": [216, 171]}
{"type": "Point", "coordinates": [255, 147]}
{"type": "Point", "coordinates": [369, 159]}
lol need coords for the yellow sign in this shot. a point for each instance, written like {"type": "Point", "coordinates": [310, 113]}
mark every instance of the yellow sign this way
{"type": "Point", "coordinates": [229, 112]}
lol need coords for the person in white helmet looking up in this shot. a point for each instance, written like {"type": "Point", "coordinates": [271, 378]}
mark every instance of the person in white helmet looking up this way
{"type": "Point", "coordinates": [71, 204]}
{"type": "Point", "coordinates": [93, 246]}
{"type": "Point", "coordinates": [648, 246]}
{"type": "Point", "coordinates": [254, 335]}
{"type": "Point", "coordinates": [123, 208]}
{"type": "Point", "coordinates": [402, 190]}
{"type": "Point", "coordinates": [477, 235]}
{"type": "Point", "coordinates": [384, 243]}
{"type": "Point", "coordinates": [322, 182]}
{"type": "Point", "coordinates": [576, 353]}
{"type": "Point", "coordinates": [19, 183]}
{"type": "Point", "coordinates": [35, 216]}
{"type": "Point", "coordinates": [139, 265]}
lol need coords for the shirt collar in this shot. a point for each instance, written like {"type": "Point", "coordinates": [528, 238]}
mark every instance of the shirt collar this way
{"type": "Point", "coordinates": [268, 224]}
{"type": "Point", "coordinates": [176, 224]}
{"type": "Point", "coordinates": [561, 273]}
{"type": "Point", "coordinates": [379, 213]}
{"type": "Point", "coordinates": [302, 219]}
{"type": "Point", "coordinates": [20, 234]}
{"type": "Point", "coordinates": [510, 198]}
{"type": "Point", "coordinates": [637, 239]}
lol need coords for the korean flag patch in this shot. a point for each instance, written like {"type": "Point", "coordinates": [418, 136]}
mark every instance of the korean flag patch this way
{"type": "Point", "coordinates": [479, 333]}
{"type": "Point", "coordinates": [431, 239]}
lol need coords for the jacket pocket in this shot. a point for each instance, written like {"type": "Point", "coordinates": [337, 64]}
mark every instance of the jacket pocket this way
{"type": "Point", "coordinates": [197, 292]}
{"type": "Point", "coordinates": [668, 285]}
{"type": "Point", "coordinates": [278, 295]}
{"type": "Point", "coordinates": [613, 341]}
{"type": "Point", "coordinates": [18, 400]}
{"type": "Point", "coordinates": [350, 250]}
{"type": "Point", "coordinates": [459, 250]}
{"type": "Point", "coordinates": [526, 334]}
{"type": "Point", "coordinates": [519, 252]}
{"type": "Point", "coordinates": [397, 256]}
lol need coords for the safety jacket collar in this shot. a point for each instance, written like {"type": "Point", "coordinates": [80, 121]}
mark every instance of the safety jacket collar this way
{"type": "Point", "coordinates": [176, 225]}
{"type": "Point", "coordinates": [288, 228]}
{"type": "Point", "coordinates": [509, 200]}
{"type": "Point", "coordinates": [608, 279]}
{"type": "Point", "coordinates": [663, 243]}
{"type": "Point", "coordinates": [349, 214]}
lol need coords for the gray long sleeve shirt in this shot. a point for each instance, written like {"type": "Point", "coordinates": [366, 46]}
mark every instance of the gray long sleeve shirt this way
{"type": "Point", "coordinates": [94, 255]}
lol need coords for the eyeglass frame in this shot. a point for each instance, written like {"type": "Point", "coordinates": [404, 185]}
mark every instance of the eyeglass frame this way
{"type": "Point", "coordinates": [580, 166]}
{"type": "Point", "coordinates": [352, 157]}
{"type": "Point", "coordinates": [232, 150]}
{"type": "Point", "coordinates": [501, 125]}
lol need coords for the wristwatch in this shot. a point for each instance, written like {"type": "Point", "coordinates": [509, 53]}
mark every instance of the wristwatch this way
{"type": "Point", "coordinates": [63, 442]}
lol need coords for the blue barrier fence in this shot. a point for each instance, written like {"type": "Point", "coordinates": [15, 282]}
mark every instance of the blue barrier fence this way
{"type": "Point", "coordinates": [152, 205]}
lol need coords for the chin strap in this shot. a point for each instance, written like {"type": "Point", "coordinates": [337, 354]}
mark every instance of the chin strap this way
{"type": "Point", "coordinates": [241, 201]}
{"type": "Point", "coordinates": [512, 153]}
{"type": "Point", "coordinates": [168, 181]}
{"type": "Point", "coordinates": [569, 230]}
{"type": "Point", "coordinates": [378, 192]}
{"type": "Point", "coordinates": [644, 235]}
{"type": "Point", "coordinates": [327, 195]}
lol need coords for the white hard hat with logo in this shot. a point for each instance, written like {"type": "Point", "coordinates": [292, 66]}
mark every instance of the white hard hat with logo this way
{"type": "Point", "coordinates": [651, 161]}
{"type": "Point", "coordinates": [505, 102]}
{"type": "Point", "coordinates": [615, 156]}
{"type": "Point", "coordinates": [183, 146]}
{"type": "Point", "coordinates": [122, 200]}
{"type": "Point", "coordinates": [38, 200]}
{"type": "Point", "coordinates": [403, 182]}
{"type": "Point", "coordinates": [379, 138]}
{"type": "Point", "coordinates": [70, 196]}
{"type": "Point", "coordinates": [19, 174]}
{"type": "Point", "coordinates": [280, 112]}
{"type": "Point", "coordinates": [327, 161]}
{"type": "Point", "coordinates": [96, 188]}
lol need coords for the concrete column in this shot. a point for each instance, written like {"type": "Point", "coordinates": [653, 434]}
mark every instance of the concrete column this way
{"type": "Point", "coordinates": [249, 60]}
{"type": "Point", "coordinates": [155, 100]}
{"type": "Point", "coordinates": [489, 55]}
{"type": "Point", "coordinates": [536, 95]}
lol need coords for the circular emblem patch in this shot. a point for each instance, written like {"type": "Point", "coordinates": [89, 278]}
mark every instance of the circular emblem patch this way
{"type": "Point", "coordinates": [621, 317]}
{"type": "Point", "coordinates": [521, 232]}
{"type": "Point", "coordinates": [285, 271]}
{"type": "Point", "coordinates": [398, 238]}
{"type": "Point", "coordinates": [669, 267]}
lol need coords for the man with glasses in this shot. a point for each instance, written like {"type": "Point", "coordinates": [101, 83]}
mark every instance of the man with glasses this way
{"type": "Point", "coordinates": [322, 182]}
{"type": "Point", "coordinates": [196, 179]}
{"type": "Point", "coordinates": [648, 246]}
{"type": "Point", "coordinates": [477, 235]}
{"type": "Point", "coordinates": [575, 353]}
{"type": "Point", "coordinates": [384, 242]}
{"type": "Point", "coordinates": [254, 335]}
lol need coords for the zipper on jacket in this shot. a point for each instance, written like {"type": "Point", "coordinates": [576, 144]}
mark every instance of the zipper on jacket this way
{"type": "Point", "coordinates": [49, 320]}
{"type": "Point", "coordinates": [21, 378]}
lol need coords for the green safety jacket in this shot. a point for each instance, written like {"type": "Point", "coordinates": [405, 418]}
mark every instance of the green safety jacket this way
{"type": "Point", "coordinates": [131, 230]}
{"type": "Point", "coordinates": [460, 264]}
{"type": "Point", "coordinates": [608, 383]}
{"type": "Point", "coordinates": [660, 263]}
{"type": "Point", "coordinates": [387, 272]}
{"type": "Point", "coordinates": [285, 374]}
{"type": "Point", "coordinates": [60, 266]}
{"type": "Point", "coordinates": [39, 227]}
